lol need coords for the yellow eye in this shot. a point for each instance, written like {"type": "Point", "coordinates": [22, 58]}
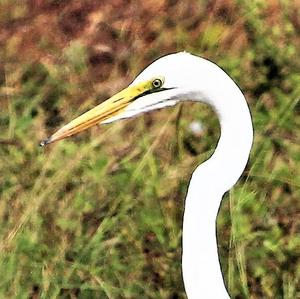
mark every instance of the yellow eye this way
{"type": "Point", "coordinates": [157, 83]}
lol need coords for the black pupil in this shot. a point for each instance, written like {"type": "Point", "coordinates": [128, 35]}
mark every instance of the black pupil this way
{"type": "Point", "coordinates": [157, 83]}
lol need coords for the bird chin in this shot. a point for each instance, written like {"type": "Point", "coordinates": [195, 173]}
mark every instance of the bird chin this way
{"type": "Point", "coordinates": [130, 112]}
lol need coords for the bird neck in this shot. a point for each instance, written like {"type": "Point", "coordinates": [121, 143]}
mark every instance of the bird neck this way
{"type": "Point", "coordinates": [232, 152]}
{"type": "Point", "coordinates": [201, 269]}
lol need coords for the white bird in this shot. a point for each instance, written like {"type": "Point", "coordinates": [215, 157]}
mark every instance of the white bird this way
{"type": "Point", "coordinates": [167, 81]}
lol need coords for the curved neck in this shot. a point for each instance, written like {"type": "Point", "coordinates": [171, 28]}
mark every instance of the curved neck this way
{"type": "Point", "coordinates": [231, 155]}
{"type": "Point", "coordinates": [201, 269]}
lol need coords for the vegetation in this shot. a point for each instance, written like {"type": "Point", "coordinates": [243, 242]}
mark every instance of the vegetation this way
{"type": "Point", "coordinates": [100, 215]}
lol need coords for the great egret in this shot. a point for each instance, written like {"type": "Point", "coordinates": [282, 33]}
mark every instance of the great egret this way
{"type": "Point", "coordinates": [168, 80]}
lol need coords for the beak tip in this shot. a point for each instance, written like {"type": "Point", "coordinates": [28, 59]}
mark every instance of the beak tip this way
{"type": "Point", "coordinates": [45, 141]}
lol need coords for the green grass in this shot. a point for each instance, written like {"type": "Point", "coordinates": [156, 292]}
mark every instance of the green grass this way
{"type": "Point", "coordinates": [100, 215]}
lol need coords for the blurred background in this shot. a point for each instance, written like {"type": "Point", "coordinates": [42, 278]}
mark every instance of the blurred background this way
{"type": "Point", "coordinates": [99, 215]}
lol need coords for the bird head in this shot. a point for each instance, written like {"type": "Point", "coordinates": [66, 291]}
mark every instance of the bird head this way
{"type": "Point", "coordinates": [161, 84]}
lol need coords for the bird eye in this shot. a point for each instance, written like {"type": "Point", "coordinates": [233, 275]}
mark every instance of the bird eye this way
{"type": "Point", "coordinates": [157, 83]}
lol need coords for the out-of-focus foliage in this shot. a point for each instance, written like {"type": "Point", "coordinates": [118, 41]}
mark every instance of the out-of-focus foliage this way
{"type": "Point", "coordinates": [100, 215]}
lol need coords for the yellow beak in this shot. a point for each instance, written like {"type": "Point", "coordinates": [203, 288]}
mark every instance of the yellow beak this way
{"type": "Point", "coordinates": [103, 111]}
